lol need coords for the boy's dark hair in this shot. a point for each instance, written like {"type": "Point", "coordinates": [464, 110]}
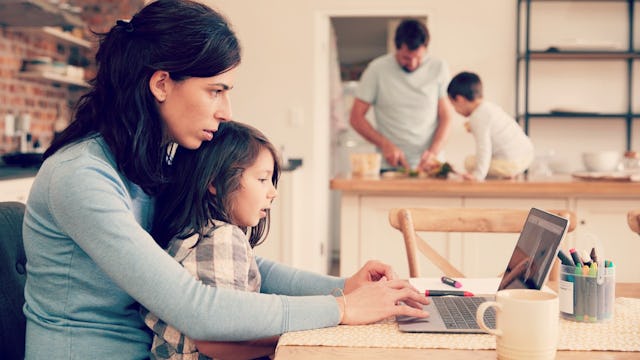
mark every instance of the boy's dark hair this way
{"type": "Point", "coordinates": [186, 39]}
{"type": "Point", "coordinates": [187, 205]}
{"type": "Point", "coordinates": [465, 84]}
{"type": "Point", "coordinates": [412, 33]}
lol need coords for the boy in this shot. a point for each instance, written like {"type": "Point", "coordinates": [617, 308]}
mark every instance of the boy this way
{"type": "Point", "coordinates": [503, 150]}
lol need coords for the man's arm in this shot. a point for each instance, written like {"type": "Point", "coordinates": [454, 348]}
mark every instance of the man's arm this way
{"type": "Point", "coordinates": [358, 120]}
{"type": "Point", "coordinates": [440, 136]}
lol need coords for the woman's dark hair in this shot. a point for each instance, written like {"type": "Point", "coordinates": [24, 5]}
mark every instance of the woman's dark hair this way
{"type": "Point", "coordinates": [187, 205]}
{"type": "Point", "coordinates": [465, 84]}
{"type": "Point", "coordinates": [412, 33]}
{"type": "Point", "coordinates": [186, 39]}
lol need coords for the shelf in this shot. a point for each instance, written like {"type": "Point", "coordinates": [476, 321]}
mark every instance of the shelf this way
{"type": "Point", "coordinates": [53, 78]}
{"type": "Point", "coordinates": [577, 55]}
{"type": "Point", "coordinates": [36, 13]}
{"type": "Point", "coordinates": [56, 33]}
{"type": "Point", "coordinates": [578, 115]}
{"type": "Point", "coordinates": [578, 51]}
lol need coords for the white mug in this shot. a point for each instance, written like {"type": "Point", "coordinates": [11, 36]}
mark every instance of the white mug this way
{"type": "Point", "coordinates": [527, 324]}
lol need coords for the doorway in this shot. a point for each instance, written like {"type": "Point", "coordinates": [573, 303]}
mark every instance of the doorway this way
{"type": "Point", "coordinates": [345, 43]}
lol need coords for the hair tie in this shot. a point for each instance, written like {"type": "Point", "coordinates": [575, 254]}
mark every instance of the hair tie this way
{"type": "Point", "coordinates": [128, 26]}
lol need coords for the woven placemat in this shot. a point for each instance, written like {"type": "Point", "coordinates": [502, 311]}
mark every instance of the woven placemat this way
{"type": "Point", "coordinates": [620, 334]}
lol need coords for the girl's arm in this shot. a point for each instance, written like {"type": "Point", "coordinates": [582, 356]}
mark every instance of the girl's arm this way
{"type": "Point", "coordinates": [282, 279]}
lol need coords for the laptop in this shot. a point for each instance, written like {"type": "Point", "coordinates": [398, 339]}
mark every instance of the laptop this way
{"type": "Point", "coordinates": [528, 268]}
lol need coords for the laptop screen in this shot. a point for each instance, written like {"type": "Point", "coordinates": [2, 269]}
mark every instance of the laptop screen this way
{"type": "Point", "coordinates": [535, 251]}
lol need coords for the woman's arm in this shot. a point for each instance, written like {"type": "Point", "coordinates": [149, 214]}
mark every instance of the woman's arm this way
{"type": "Point", "coordinates": [93, 206]}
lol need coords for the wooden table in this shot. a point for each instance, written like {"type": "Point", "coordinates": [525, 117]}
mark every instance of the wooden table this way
{"type": "Point", "coordinates": [345, 353]}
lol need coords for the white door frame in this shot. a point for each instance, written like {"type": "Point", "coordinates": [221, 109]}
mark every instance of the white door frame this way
{"type": "Point", "coordinates": [321, 124]}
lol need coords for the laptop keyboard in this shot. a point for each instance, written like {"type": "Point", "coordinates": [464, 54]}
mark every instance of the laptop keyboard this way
{"type": "Point", "coordinates": [460, 312]}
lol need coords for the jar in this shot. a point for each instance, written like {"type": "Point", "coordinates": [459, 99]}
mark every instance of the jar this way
{"type": "Point", "coordinates": [631, 160]}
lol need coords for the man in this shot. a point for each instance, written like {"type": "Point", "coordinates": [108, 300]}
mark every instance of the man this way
{"type": "Point", "coordinates": [408, 92]}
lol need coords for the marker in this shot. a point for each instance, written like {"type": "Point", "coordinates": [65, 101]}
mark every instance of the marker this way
{"type": "Point", "coordinates": [565, 259]}
{"type": "Point", "coordinates": [593, 255]}
{"type": "Point", "coordinates": [451, 282]}
{"type": "Point", "coordinates": [586, 259]}
{"type": "Point", "coordinates": [592, 293]}
{"type": "Point", "coordinates": [585, 292]}
{"type": "Point", "coordinates": [576, 257]}
{"type": "Point", "coordinates": [447, 293]}
{"type": "Point", "coordinates": [578, 308]}
{"type": "Point", "coordinates": [610, 288]}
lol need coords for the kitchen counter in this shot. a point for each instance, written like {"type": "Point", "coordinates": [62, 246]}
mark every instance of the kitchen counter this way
{"type": "Point", "coordinates": [600, 206]}
{"type": "Point", "coordinates": [551, 186]}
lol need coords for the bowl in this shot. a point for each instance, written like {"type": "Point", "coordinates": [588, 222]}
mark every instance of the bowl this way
{"type": "Point", "coordinates": [601, 161]}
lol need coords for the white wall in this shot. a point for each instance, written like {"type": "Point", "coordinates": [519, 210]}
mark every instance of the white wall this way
{"type": "Point", "coordinates": [276, 88]}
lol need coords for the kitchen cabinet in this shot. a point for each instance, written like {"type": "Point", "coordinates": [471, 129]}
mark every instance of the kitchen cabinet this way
{"type": "Point", "coordinates": [595, 51]}
{"type": "Point", "coordinates": [368, 235]}
{"type": "Point", "coordinates": [486, 255]}
{"type": "Point", "coordinates": [15, 189]}
{"type": "Point", "coordinates": [365, 232]}
{"type": "Point", "coordinates": [604, 223]}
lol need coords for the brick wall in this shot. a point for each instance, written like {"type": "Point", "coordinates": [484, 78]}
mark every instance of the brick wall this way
{"type": "Point", "coordinates": [41, 99]}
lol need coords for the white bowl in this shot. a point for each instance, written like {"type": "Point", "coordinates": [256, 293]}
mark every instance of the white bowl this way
{"type": "Point", "coordinates": [601, 161]}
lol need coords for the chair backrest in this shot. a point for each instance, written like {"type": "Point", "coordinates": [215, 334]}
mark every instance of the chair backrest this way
{"type": "Point", "coordinates": [13, 275]}
{"type": "Point", "coordinates": [459, 220]}
{"type": "Point", "coordinates": [633, 218]}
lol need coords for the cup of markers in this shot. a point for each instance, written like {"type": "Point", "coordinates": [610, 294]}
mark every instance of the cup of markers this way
{"type": "Point", "coordinates": [587, 287]}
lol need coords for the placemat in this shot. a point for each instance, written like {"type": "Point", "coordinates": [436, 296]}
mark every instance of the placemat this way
{"type": "Point", "coordinates": [620, 334]}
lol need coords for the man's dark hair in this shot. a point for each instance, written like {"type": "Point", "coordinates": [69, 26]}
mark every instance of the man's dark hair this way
{"type": "Point", "coordinates": [412, 33]}
{"type": "Point", "coordinates": [465, 84]}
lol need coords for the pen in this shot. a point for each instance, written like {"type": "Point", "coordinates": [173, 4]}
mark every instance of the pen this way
{"type": "Point", "coordinates": [450, 281]}
{"type": "Point", "coordinates": [447, 293]}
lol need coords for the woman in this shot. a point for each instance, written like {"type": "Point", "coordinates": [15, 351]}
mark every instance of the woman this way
{"type": "Point", "coordinates": [163, 78]}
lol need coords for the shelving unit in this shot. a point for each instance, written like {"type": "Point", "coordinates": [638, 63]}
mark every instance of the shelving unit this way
{"type": "Point", "coordinates": [525, 55]}
{"type": "Point", "coordinates": [57, 34]}
{"type": "Point", "coordinates": [41, 17]}
{"type": "Point", "coordinates": [53, 78]}
{"type": "Point", "coordinates": [36, 13]}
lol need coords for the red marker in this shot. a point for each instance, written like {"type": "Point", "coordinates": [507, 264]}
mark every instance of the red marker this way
{"type": "Point", "coordinates": [447, 293]}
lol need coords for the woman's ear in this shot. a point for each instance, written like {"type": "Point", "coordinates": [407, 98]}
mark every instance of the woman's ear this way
{"type": "Point", "coordinates": [212, 189]}
{"type": "Point", "coordinates": [159, 84]}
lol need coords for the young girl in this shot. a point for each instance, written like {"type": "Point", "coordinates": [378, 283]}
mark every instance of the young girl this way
{"type": "Point", "coordinates": [231, 184]}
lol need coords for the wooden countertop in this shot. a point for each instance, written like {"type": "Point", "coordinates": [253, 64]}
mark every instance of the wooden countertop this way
{"type": "Point", "coordinates": [554, 186]}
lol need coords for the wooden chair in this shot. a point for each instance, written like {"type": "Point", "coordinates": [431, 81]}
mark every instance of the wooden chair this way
{"type": "Point", "coordinates": [633, 218]}
{"type": "Point", "coordinates": [463, 220]}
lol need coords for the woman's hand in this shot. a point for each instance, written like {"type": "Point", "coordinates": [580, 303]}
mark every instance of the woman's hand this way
{"type": "Point", "coordinates": [372, 271]}
{"type": "Point", "coordinates": [379, 300]}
